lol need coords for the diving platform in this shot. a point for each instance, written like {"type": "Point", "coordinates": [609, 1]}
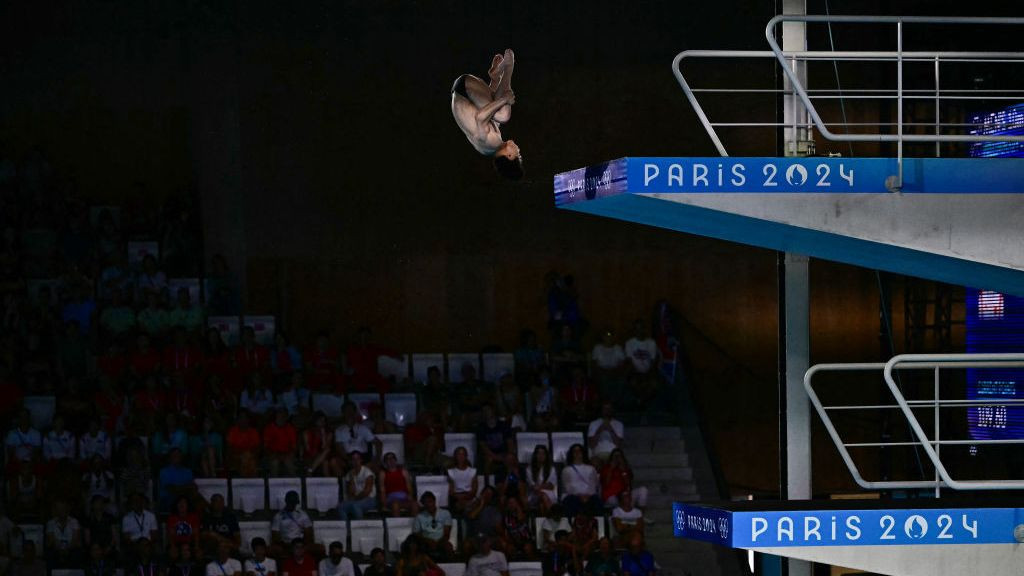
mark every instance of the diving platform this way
{"type": "Point", "coordinates": [908, 538]}
{"type": "Point", "coordinates": [955, 220]}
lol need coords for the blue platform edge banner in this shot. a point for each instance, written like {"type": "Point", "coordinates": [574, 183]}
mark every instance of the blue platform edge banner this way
{"type": "Point", "coordinates": [641, 175]}
{"type": "Point", "coordinates": [884, 527]}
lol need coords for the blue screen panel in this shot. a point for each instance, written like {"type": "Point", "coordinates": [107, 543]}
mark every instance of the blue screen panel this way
{"type": "Point", "coordinates": [1006, 122]}
{"type": "Point", "coordinates": [995, 323]}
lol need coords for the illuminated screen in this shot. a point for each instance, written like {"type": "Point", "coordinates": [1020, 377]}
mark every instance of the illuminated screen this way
{"type": "Point", "coordinates": [1008, 121]}
{"type": "Point", "coordinates": [995, 323]}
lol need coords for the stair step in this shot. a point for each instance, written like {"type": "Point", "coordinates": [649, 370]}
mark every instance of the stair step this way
{"type": "Point", "coordinates": [655, 446]}
{"type": "Point", "coordinates": [649, 459]}
{"type": "Point", "coordinates": [649, 476]}
{"type": "Point", "coordinates": [653, 432]}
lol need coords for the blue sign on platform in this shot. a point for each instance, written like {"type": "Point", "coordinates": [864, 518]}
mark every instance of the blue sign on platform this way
{"type": "Point", "coordinates": [769, 529]}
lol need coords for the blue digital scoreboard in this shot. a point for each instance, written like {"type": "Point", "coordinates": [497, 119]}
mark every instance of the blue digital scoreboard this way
{"type": "Point", "coordinates": [995, 323]}
{"type": "Point", "coordinates": [1006, 122]}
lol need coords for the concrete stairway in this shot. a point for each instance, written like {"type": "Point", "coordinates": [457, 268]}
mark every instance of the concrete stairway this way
{"type": "Point", "coordinates": [661, 462]}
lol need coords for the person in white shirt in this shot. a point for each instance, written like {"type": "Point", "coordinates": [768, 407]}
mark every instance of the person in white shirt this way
{"type": "Point", "coordinates": [360, 489]}
{"type": "Point", "coordinates": [604, 435]}
{"type": "Point", "coordinates": [59, 443]}
{"type": "Point", "coordinates": [224, 564]}
{"type": "Point", "coordinates": [626, 519]}
{"type": "Point", "coordinates": [95, 442]}
{"type": "Point", "coordinates": [335, 564]}
{"type": "Point", "coordinates": [352, 434]}
{"type": "Point", "coordinates": [641, 350]}
{"type": "Point", "coordinates": [486, 562]}
{"type": "Point", "coordinates": [581, 483]}
{"type": "Point", "coordinates": [23, 442]}
{"type": "Point", "coordinates": [607, 363]}
{"type": "Point", "coordinates": [259, 564]}
{"type": "Point", "coordinates": [291, 523]}
{"type": "Point", "coordinates": [139, 522]}
{"type": "Point", "coordinates": [63, 536]}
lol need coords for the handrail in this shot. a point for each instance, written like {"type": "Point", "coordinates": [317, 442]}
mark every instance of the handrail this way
{"type": "Point", "coordinates": [929, 445]}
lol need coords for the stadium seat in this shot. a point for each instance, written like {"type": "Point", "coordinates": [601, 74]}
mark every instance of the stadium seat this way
{"type": "Point", "coordinates": [495, 363]}
{"type": "Point", "coordinates": [392, 443]}
{"type": "Point", "coordinates": [277, 488]}
{"type": "Point", "coordinates": [322, 494]}
{"type": "Point", "coordinates": [398, 529]}
{"type": "Point", "coordinates": [562, 441]}
{"type": "Point", "coordinates": [400, 409]}
{"type": "Point", "coordinates": [329, 404]}
{"type": "Point", "coordinates": [525, 569]}
{"type": "Point", "coordinates": [42, 408]}
{"type": "Point", "coordinates": [327, 531]}
{"type": "Point", "coordinates": [248, 495]}
{"type": "Point", "coordinates": [436, 484]}
{"type": "Point", "coordinates": [457, 359]}
{"type": "Point", "coordinates": [453, 568]}
{"type": "Point", "coordinates": [527, 441]}
{"type": "Point", "coordinates": [362, 400]}
{"type": "Point", "coordinates": [397, 368]}
{"type": "Point", "coordinates": [207, 487]}
{"type": "Point", "coordinates": [467, 440]}
{"type": "Point", "coordinates": [366, 535]}
{"type": "Point", "coordinates": [249, 530]}
{"type": "Point", "coordinates": [422, 362]}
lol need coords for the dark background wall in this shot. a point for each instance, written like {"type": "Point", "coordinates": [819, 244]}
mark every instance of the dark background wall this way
{"type": "Point", "coordinates": [319, 139]}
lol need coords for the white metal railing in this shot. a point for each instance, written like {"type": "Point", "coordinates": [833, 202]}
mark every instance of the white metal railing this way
{"type": "Point", "coordinates": [812, 118]}
{"type": "Point", "coordinates": [930, 445]}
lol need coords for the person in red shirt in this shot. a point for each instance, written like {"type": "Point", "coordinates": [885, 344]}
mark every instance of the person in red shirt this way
{"type": "Point", "coordinates": [322, 364]}
{"type": "Point", "coordinates": [147, 404]}
{"type": "Point", "coordinates": [145, 360]}
{"type": "Point", "coordinates": [113, 363]}
{"type": "Point", "coordinates": [218, 360]}
{"type": "Point", "coordinates": [280, 440]}
{"type": "Point", "coordinates": [183, 524]}
{"type": "Point", "coordinates": [182, 358]}
{"type": "Point", "coordinates": [250, 356]}
{"type": "Point", "coordinates": [109, 405]}
{"type": "Point", "coordinates": [243, 447]}
{"type": "Point", "coordinates": [317, 444]}
{"type": "Point", "coordinates": [361, 364]}
{"type": "Point", "coordinates": [580, 399]}
{"type": "Point", "coordinates": [299, 563]}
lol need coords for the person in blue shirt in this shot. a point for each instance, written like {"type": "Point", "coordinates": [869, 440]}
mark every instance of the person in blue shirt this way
{"type": "Point", "coordinates": [175, 480]}
{"type": "Point", "coordinates": [638, 561]}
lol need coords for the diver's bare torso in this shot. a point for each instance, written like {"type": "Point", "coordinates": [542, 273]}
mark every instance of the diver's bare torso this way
{"type": "Point", "coordinates": [480, 108]}
{"type": "Point", "coordinates": [484, 136]}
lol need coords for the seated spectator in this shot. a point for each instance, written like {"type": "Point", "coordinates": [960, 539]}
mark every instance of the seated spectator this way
{"type": "Point", "coordinates": [98, 480]}
{"type": "Point", "coordinates": [360, 489]}
{"type": "Point", "coordinates": [134, 476]}
{"type": "Point", "coordinates": [170, 437]}
{"type": "Point", "coordinates": [291, 523]}
{"type": "Point", "coordinates": [336, 564]}
{"type": "Point", "coordinates": [251, 357]}
{"type": "Point", "coordinates": [414, 560]}
{"type": "Point", "coordinates": [223, 564]}
{"type": "Point", "coordinates": [182, 561]}
{"type": "Point", "coordinates": [434, 527]}
{"type": "Point", "coordinates": [99, 564]}
{"type": "Point", "coordinates": [299, 562]}
{"type": "Point", "coordinates": [295, 397]}
{"type": "Point", "coordinates": [562, 559]}
{"type": "Point", "coordinates": [541, 481]}
{"type": "Point", "coordinates": [153, 319]}
{"type": "Point", "coordinates": [361, 361]}
{"type": "Point", "coordinates": [434, 394]}
{"type": "Point", "coordinates": [29, 564]}
{"type": "Point", "coordinates": [175, 480]}
{"type": "Point", "coordinates": [80, 307]}
{"type": "Point", "coordinates": [378, 565]}
{"type": "Point", "coordinates": [353, 435]}
{"type": "Point", "coordinates": [285, 359]}
{"type": "Point", "coordinates": [566, 351]}
{"type": "Point", "coordinates": [514, 531]}
{"type": "Point", "coordinates": [316, 446]}
{"type": "Point", "coordinates": [63, 538]}
{"type": "Point", "coordinates": [180, 357]}
{"type": "Point", "coordinates": [484, 515]}
{"type": "Point", "coordinates": [151, 279]}
{"type": "Point", "coordinates": [181, 398]}
{"type": "Point", "coordinates": [424, 439]}
{"type": "Point", "coordinates": [73, 352]}
{"type": "Point", "coordinates": [257, 399]}
{"type": "Point", "coordinates": [509, 482]}
{"type": "Point", "coordinates": [110, 402]}
{"type": "Point", "coordinates": [218, 359]}
{"type": "Point", "coordinates": [183, 524]}
{"type": "Point", "coordinates": [544, 402]}
{"type": "Point", "coordinates": [280, 444]}
{"type": "Point", "coordinates": [118, 317]}
{"type": "Point", "coordinates": [243, 447]}
{"type": "Point", "coordinates": [377, 422]}
{"type": "Point", "coordinates": [579, 399]}
{"type": "Point", "coordinates": [607, 366]}
{"type": "Point", "coordinates": [23, 442]}
{"type": "Point", "coordinates": [638, 561]}
{"type": "Point", "coordinates": [642, 352]}
{"type": "Point", "coordinates": [486, 561]}
{"type": "Point", "coordinates": [219, 526]}
{"type": "Point", "coordinates": [463, 484]}
{"type": "Point", "coordinates": [580, 483]}
{"type": "Point", "coordinates": [603, 562]}
{"type": "Point", "coordinates": [59, 444]}
{"type": "Point", "coordinates": [191, 317]}
{"type": "Point", "coordinates": [627, 520]}
{"type": "Point", "coordinates": [139, 523]}
{"type": "Point", "coordinates": [583, 535]}
{"type": "Point", "coordinates": [95, 442]}
{"type": "Point", "coordinates": [218, 402]}
{"type": "Point", "coordinates": [495, 439]}
{"type": "Point", "coordinates": [323, 362]}
{"type": "Point", "coordinates": [604, 434]}
{"type": "Point", "coordinates": [100, 528]}
{"type": "Point", "coordinates": [145, 360]}
{"type": "Point", "coordinates": [25, 492]}
{"type": "Point", "coordinates": [148, 408]}
{"type": "Point", "coordinates": [528, 358]}
{"type": "Point", "coordinates": [259, 564]}
{"type": "Point", "coordinates": [396, 493]}
{"type": "Point", "coordinates": [470, 397]}
{"type": "Point", "coordinates": [207, 449]}
{"type": "Point", "coordinates": [617, 476]}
